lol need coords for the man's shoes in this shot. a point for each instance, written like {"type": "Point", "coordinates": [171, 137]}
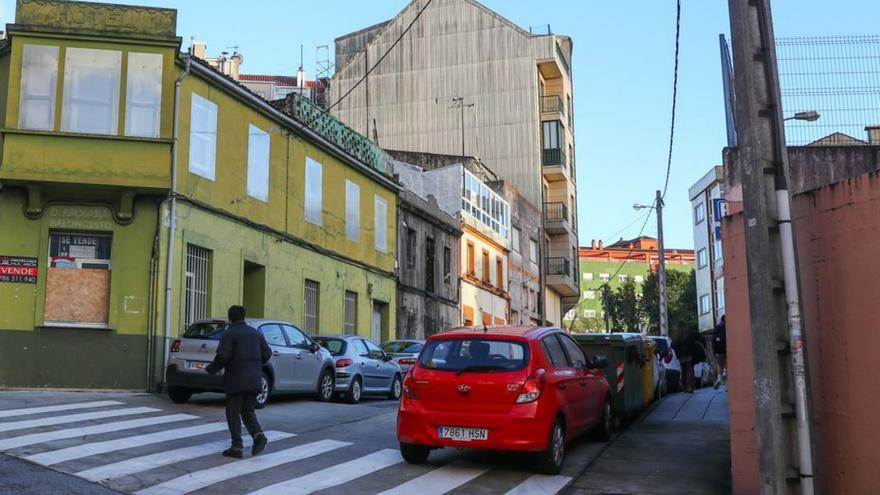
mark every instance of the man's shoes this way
{"type": "Point", "coordinates": [233, 452]}
{"type": "Point", "coordinates": [260, 442]}
{"type": "Point", "coordinates": [717, 383]}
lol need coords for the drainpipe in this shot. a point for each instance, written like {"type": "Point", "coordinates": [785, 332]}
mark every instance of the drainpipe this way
{"type": "Point", "coordinates": [172, 222]}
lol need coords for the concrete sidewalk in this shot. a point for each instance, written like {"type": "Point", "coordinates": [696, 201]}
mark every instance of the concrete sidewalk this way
{"type": "Point", "coordinates": [682, 446]}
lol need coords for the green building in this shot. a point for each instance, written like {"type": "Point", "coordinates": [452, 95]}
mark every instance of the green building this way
{"type": "Point", "coordinates": [616, 264]}
{"type": "Point", "coordinates": [142, 190]}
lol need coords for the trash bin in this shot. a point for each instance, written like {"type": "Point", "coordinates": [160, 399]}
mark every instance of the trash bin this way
{"type": "Point", "coordinates": [649, 377]}
{"type": "Point", "coordinates": [625, 355]}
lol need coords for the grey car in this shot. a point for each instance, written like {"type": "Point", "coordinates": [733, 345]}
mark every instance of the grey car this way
{"type": "Point", "coordinates": [298, 364]}
{"type": "Point", "coordinates": [362, 368]}
{"type": "Point", "coordinates": [404, 352]}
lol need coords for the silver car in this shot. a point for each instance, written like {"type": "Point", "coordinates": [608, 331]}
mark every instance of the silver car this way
{"type": "Point", "coordinates": [362, 368]}
{"type": "Point", "coordinates": [404, 352]}
{"type": "Point", "coordinates": [297, 365]}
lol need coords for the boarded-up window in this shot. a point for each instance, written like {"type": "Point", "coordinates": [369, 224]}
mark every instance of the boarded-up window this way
{"type": "Point", "coordinates": [447, 264]}
{"type": "Point", "coordinates": [487, 273]}
{"type": "Point", "coordinates": [468, 315]}
{"type": "Point", "coordinates": [430, 248]}
{"type": "Point", "coordinates": [471, 269]}
{"type": "Point", "coordinates": [311, 306]}
{"type": "Point", "coordinates": [499, 272]}
{"type": "Point", "coordinates": [198, 271]}
{"type": "Point", "coordinates": [78, 279]}
{"type": "Point", "coordinates": [487, 318]}
{"type": "Point", "coordinates": [350, 324]}
{"type": "Point", "coordinates": [499, 321]}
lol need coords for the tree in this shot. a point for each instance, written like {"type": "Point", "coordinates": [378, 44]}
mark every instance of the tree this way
{"type": "Point", "coordinates": [681, 301]}
{"type": "Point", "coordinates": [623, 307]}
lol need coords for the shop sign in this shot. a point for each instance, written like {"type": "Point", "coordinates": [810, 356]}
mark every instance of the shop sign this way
{"type": "Point", "coordinates": [18, 269]}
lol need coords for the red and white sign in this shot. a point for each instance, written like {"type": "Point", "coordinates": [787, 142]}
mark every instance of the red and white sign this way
{"type": "Point", "coordinates": [18, 269]}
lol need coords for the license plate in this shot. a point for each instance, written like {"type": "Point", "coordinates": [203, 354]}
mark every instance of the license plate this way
{"type": "Point", "coordinates": [463, 434]}
{"type": "Point", "coordinates": [196, 365]}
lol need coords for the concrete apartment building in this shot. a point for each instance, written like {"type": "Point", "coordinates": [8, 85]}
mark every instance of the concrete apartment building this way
{"type": "Point", "coordinates": [467, 81]}
{"type": "Point", "coordinates": [708, 206]}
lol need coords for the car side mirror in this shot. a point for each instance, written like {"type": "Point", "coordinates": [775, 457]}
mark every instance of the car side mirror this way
{"type": "Point", "coordinates": [599, 362]}
{"type": "Point", "coordinates": [314, 347]}
{"type": "Point", "coordinates": [387, 357]}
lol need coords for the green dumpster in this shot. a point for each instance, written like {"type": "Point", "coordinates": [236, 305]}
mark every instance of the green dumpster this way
{"type": "Point", "coordinates": [625, 355]}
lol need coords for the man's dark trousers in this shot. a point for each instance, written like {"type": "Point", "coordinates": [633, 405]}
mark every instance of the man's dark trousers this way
{"type": "Point", "coordinates": [240, 408]}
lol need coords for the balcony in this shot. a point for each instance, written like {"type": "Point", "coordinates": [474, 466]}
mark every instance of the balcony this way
{"type": "Point", "coordinates": [560, 276]}
{"type": "Point", "coordinates": [554, 167]}
{"type": "Point", "coordinates": [556, 218]}
{"type": "Point", "coordinates": [552, 108]}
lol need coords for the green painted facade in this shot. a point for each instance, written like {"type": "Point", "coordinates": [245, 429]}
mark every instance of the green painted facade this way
{"type": "Point", "coordinates": [261, 253]}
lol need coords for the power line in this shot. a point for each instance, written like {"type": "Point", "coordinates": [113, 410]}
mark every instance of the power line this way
{"type": "Point", "coordinates": [674, 98]}
{"type": "Point", "coordinates": [370, 70]}
{"type": "Point", "coordinates": [612, 236]}
{"type": "Point", "coordinates": [632, 247]}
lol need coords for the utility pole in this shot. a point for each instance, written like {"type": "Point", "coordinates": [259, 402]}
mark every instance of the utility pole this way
{"type": "Point", "coordinates": [661, 267]}
{"type": "Point", "coordinates": [782, 422]}
{"type": "Point", "coordinates": [458, 102]}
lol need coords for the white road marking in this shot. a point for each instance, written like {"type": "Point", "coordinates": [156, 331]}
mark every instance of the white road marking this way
{"type": "Point", "coordinates": [73, 418]}
{"type": "Point", "coordinates": [8, 413]}
{"type": "Point", "coordinates": [334, 476]}
{"type": "Point", "coordinates": [440, 480]}
{"type": "Point", "coordinates": [199, 479]}
{"type": "Point", "coordinates": [159, 459]}
{"type": "Point", "coordinates": [540, 484]}
{"type": "Point", "coordinates": [85, 450]}
{"type": "Point", "coordinates": [35, 438]}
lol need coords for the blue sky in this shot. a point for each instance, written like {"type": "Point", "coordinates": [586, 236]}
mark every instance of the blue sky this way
{"type": "Point", "coordinates": [623, 53]}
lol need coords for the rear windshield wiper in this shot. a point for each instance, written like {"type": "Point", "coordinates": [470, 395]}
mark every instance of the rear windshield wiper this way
{"type": "Point", "coordinates": [483, 367]}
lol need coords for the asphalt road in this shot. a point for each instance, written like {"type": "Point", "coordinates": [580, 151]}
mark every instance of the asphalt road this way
{"type": "Point", "coordinates": [100, 443]}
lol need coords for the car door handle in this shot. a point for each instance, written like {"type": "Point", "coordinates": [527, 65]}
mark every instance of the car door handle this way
{"type": "Point", "coordinates": [563, 386]}
{"type": "Point", "coordinates": [298, 355]}
{"type": "Point", "coordinates": [275, 353]}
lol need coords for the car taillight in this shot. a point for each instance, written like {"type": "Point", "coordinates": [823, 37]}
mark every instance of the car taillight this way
{"type": "Point", "coordinates": [344, 362]}
{"type": "Point", "coordinates": [531, 389]}
{"type": "Point", "coordinates": [406, 361]}
{"type": "Point", "coordinates": [409, 389]}
{"type": "Point", "coordinates": [175, 345]}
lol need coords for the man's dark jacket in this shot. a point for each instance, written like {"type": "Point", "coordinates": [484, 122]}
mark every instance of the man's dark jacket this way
{"type": "Point", "coordinates": [242, 352]}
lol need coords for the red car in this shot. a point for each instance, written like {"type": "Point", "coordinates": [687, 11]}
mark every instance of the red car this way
{"type": "Point", "coordinates": [502, 388]}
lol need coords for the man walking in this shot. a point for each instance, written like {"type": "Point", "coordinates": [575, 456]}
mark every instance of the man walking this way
{"type": "Point", "coordinates": [719, 347]}
{"type": "Point", "coordinates": [242, 352]}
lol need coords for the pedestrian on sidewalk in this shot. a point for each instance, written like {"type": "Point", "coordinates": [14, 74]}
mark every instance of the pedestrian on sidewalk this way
{"type": "Point", "coordinates": [685, 348]}
{"type": "Point", "coordinates": [242, 352]}
{"type": "Point", "coordinates": [719, 347]}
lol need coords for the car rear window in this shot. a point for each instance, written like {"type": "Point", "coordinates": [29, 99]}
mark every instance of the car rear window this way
{"type": "Point", "coordinates": [205, 331]}
{"type": "Point", "coordinates": [335, 346]}
{"type": "Point", "coordinates": [402, 347]}
{"type": "Point", "coordinates": [474, 354]}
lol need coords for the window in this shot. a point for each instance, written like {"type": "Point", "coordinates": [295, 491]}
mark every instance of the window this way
{"type": "Point", "coordinates": [604, 277]}
{"type": "Point", "coordinates": [143, 95]}
{"type": "Point", "coordinates": [198, 271]}
{"type": "Point", "coordinates": [91, 91]}
{"type": "Point", "coordinates": [311, 306]}
{"type": "Point", "coordinates": [570, 113]}
{"type": "Point", "coordinates": [273, 335]}
{"type": "Point", "coordinates": [314, 192]}
{"type": "Point", "coordinates": [705, 304]}
{"type": "Point", "coordinates": [516, 233]}
{"type": "Point", "coordinates": [702, 258]}
{"type": "Point", "coordinates": [499, 272]}
{"type": "Point", "coordinates": [410, 239]}
{"type": "Point", "coordinates": [447, 265]}
{"type": "Point", "coordinates": [533, 251]}
{"type": "Point", "coordinates": [430, 257]}
{"type": "Point", "coordinates": [554, 351]}
{"type": "Point", "coordinates": [471, 262]}
{"type": "Point", "coordinates": [485, 205]}
{"type": "Point", "coordinates": [373, 350]}
{"type": "Point", "coordinates": [699, 213]}
{"type": "Point", "coordinates": [589, 313]}
{"type": "Point", "coordinates": [487, 274]}
{"type": "Point", "coordinates": [589, 294]}
{"type": "Point", "coordinates": [719, 293]}
{"type": "Point", "coordinates": [295, 337]}
{"type": "Point", "coordinates": [78, 279]}
{"type": "Point", "coordinates": [359, 347]}
{"type": "Point", "coordinates": [575, 354]}
{"type": "Point", "coordinates": [39, 74]}
{"type": "Point", "coordinates": [588, 276]}
{"type": "Point", "coordinates": [381, 227]}
{"type": "Point", "coordinates": [718, 253]}
{"type": "Point", "coordinates": [352, 211]}
{"type": "Point", "coordinates": [639, 279]}
{"type": "Point", "coordinates": [457, 354]}
{"type": "Point", "coordinates": [349, 327]}
{"type": "Point", "coordinates": [202, 137]}
{"type": "Point", "coordinates": [258, 163]}
{"type": "Point", "coordinates": [552, 134]}
{"type": "Point", "coordinates": [622, 278]}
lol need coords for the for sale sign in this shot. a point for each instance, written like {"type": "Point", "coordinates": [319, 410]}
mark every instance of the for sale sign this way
{"type": "Point", "coordinates": [18, 269]}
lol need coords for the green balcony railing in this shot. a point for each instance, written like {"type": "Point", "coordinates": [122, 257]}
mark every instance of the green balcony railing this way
{"type": "Point", "coordinates": [554, 156]}
{"type": "Point", "coordinates": [556, 211]}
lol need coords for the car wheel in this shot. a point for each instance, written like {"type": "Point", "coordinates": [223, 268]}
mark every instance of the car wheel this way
{"type": "Point", "coordinates": [606, 423]}
{"type": "Point", "coordinates": [354, 391]}
{"type": "Point", "coordinates": [179, 395]}
{"type": "Point", "coordinates": [552, 459]}
{"type": "Point", "coordinates": [414, 454]}
{"type": "Point", "coordinates": [396, 388]}
{"type": "Point", "coordinates": [326, 384]}
{"type": "Point", "coordinates": [265, 390]}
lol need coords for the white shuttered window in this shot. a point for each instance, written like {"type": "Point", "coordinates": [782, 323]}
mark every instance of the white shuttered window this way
{"type": "Point", "coordinates": [91, 91]}
{"type": "Point", "coordinates": [143, 95]}
{"type": "Point", "coordinates": [352, 211]}
{"type": "Point", "coordinates": [39, 74]}
{"type": "Point", "coordinates": [381, 224]}
{"type": "Point", "coordinates": [258, 163]}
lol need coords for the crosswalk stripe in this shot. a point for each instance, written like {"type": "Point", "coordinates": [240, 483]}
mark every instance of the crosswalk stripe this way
{"type": "Point", "coordinates": [159, 459]}
{"type": "Point", "coordinates": [85, 450]}
{"type": "Point", "coordinates": [540, 484]}
{"type": "Point", "coordinates": [440, 480]}
{"type": "Point", "coordinates": [8, 413]}
{"type": "Point", "coordinates": [73, 418]}
{"type": "Point", "coordinates": [35, 438]}
{"type": "Point", "coordinates": [335, 475]}
{"type": "Point", "coordinates": [199, 479]}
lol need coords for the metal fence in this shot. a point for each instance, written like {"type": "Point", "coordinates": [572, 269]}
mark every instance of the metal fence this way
{"type": "Point", "coordinates": [836, 76]}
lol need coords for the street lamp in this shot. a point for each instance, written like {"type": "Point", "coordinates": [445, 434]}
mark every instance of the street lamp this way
{"type": "Point", "coordinates": [809, 116]}
{"type": "Point", "coordinates": [661, 260]}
